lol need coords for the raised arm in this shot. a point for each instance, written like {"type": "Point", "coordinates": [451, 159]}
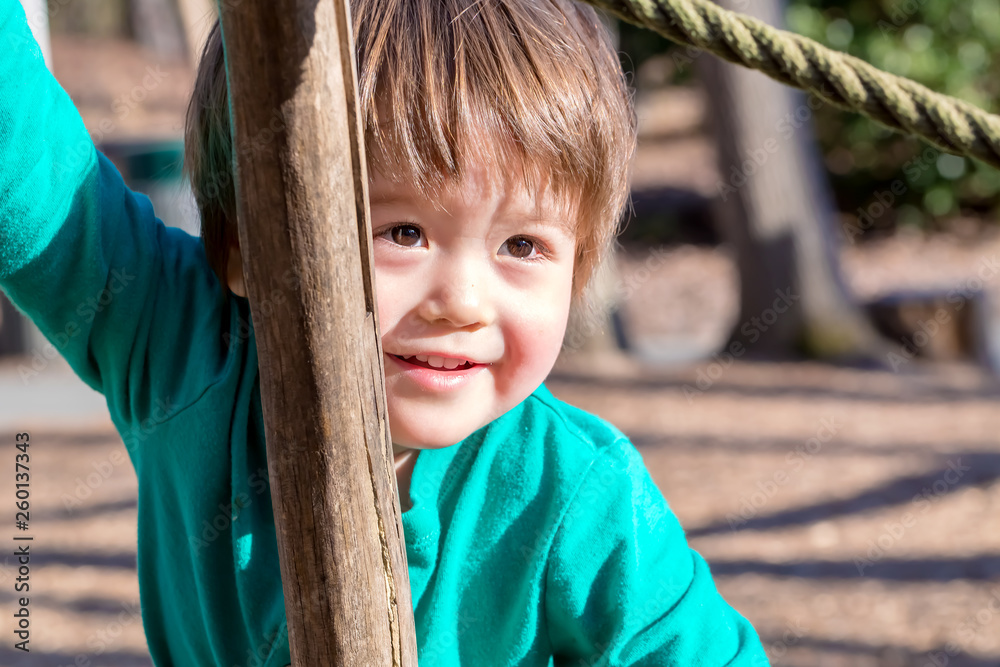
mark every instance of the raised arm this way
{"type": "Point", "coordinates": [131, 305]}
{"type": "Point", "coordinates": [625, 589]}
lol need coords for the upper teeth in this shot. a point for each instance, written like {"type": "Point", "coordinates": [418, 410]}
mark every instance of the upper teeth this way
{"type": "Point", "coordinates": [438, 362]}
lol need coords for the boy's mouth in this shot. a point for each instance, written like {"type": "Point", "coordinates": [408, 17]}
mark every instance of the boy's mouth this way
{"type": "Point", "coordinates": [435, 362]}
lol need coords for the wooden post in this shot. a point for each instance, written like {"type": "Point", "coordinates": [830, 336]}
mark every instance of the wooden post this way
{"type": "Point", "coordinates": [305, 236]}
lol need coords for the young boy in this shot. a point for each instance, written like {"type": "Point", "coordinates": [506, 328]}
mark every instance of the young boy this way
{"type": "Point", "coordinates": [499, 134]}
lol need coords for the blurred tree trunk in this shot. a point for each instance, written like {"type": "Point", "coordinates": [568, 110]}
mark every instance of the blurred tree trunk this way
{"type": "Point", "coordinates": [197, 18]}
{"type": "Point", "coordinates": [157, 26]}
{"type": "Point", "coordinates": [95, 18]}
{"type": "Point", "coordinates": [777, 212]}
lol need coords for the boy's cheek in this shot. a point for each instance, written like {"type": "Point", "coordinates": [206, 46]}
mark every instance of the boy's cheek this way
{"type": "Point", "coordinates": [384, 301]}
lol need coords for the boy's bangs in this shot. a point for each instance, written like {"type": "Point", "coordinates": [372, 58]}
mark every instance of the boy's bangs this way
{"type": "Point", "coordinates": [531, 90]}
{"type": "Point", "coordinates": [431, 168]}
{"type": "Point", "coordinates": [509, 86]}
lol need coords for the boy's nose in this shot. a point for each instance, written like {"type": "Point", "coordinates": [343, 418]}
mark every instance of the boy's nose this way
{"type": "Point", "coordinates": [459, 296]}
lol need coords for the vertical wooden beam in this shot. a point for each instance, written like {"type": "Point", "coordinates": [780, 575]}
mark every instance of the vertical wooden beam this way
{"type": "Point", "coordinates": [305, 236]}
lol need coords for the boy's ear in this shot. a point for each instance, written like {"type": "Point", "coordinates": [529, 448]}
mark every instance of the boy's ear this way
{"type": "Point", "coordinates": [234, 272]}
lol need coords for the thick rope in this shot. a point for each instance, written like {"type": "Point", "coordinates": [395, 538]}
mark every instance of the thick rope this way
{"type": "Point", "coordinates": [842, 80]}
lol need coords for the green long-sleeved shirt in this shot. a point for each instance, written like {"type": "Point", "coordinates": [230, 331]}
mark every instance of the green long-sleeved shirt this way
{"type": "Point", "coordinates": [538, 540]}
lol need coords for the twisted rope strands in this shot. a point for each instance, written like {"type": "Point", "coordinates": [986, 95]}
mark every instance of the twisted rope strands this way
{"type": "Point", "coordinates": [840, 79]}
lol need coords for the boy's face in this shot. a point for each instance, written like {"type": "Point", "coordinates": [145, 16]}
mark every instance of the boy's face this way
{"type": "Point", "coordinates": [474, 293]}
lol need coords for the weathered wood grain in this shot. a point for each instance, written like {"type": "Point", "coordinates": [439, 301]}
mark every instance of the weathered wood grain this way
{"type": "Point", "coordinates": [304, 232]}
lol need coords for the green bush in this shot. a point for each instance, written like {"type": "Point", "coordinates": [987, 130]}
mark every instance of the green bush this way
{"type": "Point", "coordinates": [949, 46]}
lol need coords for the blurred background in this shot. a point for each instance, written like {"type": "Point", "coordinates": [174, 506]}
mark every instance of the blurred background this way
{"type": "Point", "coordinates": [800, 333]}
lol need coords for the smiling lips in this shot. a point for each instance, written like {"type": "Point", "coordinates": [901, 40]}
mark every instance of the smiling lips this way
{"type": "Point", "coordinates": [435, 372]}
{"type": "Point", "coordinates": [435, 362]}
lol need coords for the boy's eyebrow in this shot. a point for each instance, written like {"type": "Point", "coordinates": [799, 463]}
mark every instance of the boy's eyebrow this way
{"type": "Point", "coordinates": [393, 198]}
{"type": "Point", "coordinates": [558, 221]}
{"type": "Point", "coordinates": [401, 199]}
{"type": "Point", "coordinates": [554, 219]}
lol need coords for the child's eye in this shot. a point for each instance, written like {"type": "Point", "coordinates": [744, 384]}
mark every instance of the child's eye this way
{"type": "Point", "coordinates": [521, 248]}
{"type": "Point", "coordinates": [408, 236]}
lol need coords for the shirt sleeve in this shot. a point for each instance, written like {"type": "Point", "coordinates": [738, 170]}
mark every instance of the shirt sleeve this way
{"type": "Point", "coordinates": [624, 588]}
{"type": "Point", "coordinates": [123, 298]}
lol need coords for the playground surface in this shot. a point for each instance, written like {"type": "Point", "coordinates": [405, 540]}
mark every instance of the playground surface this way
{"type": "Point", "coordinates": [852, 515]}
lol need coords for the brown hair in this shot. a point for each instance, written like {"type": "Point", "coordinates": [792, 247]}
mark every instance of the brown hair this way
{"type": "Point", "coordinates": [531, 84]}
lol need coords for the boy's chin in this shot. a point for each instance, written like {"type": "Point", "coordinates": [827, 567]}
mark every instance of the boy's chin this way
{"type": "Point", "coordinates": [429, 439]}
{"type": "Point", "coordinates": [426, 432]}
